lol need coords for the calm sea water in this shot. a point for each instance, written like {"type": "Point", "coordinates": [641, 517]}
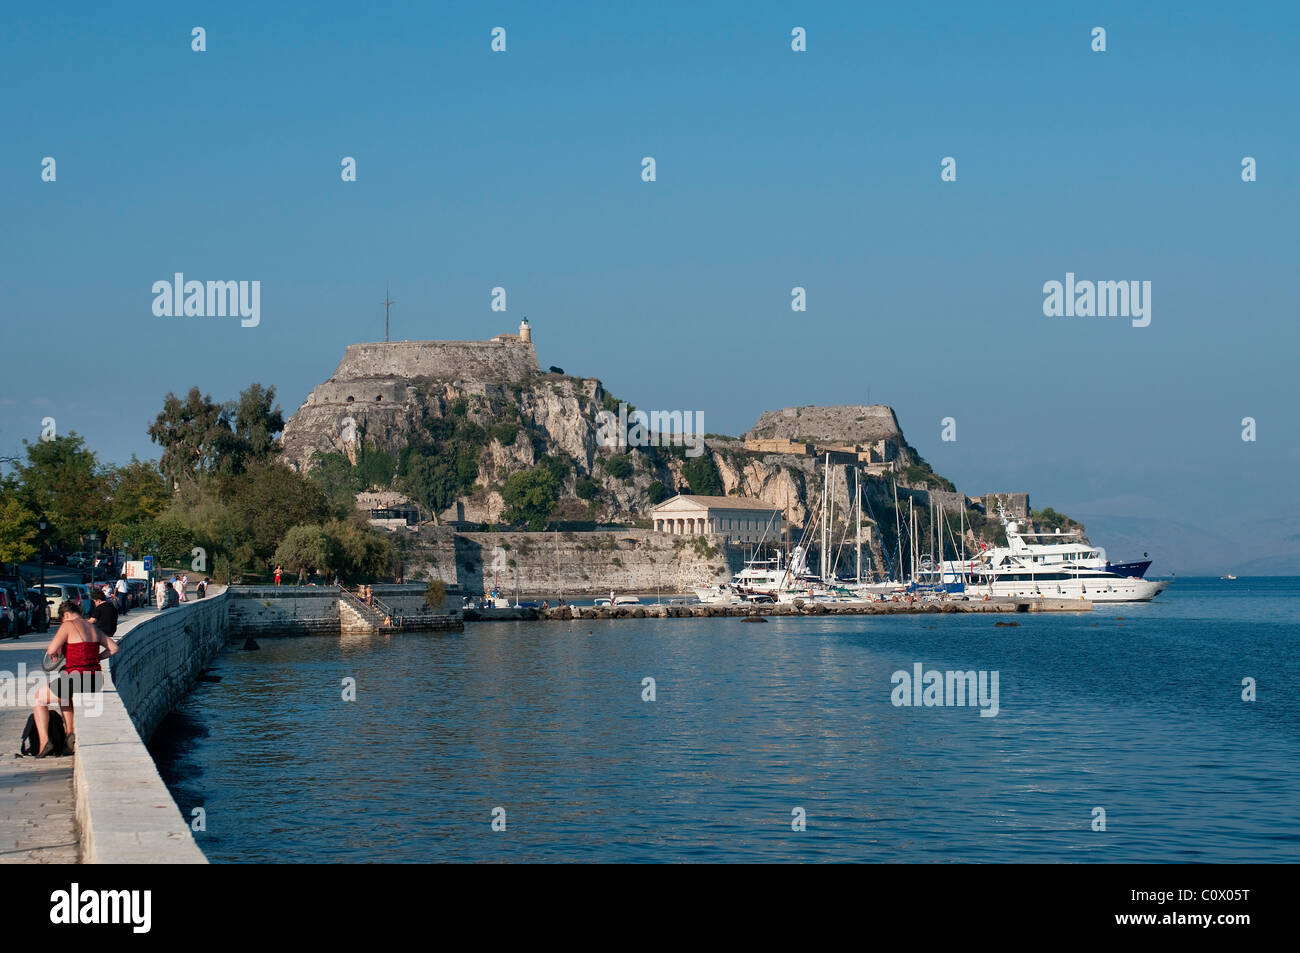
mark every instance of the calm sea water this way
{"type": "Point", "coordinates": [1136, 709]}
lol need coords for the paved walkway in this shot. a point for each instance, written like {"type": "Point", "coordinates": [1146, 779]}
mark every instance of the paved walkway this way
{"type": "Point", "coordinates": [37, 807]}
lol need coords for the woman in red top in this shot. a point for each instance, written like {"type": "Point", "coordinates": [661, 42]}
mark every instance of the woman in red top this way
{"type": "Point", "coordinates": [83, 645]}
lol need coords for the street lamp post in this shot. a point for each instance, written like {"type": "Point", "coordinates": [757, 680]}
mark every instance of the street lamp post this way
{"type": "Point", "coordinates": [94, 551]}
{"type": "Point", "coordinates": [44, 526]}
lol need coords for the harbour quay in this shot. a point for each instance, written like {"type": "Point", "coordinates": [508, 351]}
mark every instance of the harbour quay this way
{"type": "Point", "coordinates": [797, 608]}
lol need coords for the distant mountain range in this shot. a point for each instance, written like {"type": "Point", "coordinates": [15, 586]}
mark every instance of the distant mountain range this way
{"type": "Point", "coordinates": [1261, 548]}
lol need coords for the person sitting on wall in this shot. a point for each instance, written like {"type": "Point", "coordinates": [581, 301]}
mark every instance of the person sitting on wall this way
{"type": "Point", "coordinates": [84, 646]}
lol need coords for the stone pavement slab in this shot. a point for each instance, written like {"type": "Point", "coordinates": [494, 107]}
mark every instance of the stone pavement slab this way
{"type": "Point", "coordinates": [37, 808]}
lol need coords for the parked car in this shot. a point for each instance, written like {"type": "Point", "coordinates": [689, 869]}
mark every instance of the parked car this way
{"type": "Point", "coordinates": [56, 593]}
{"type": "Point", "coordinates": [40, 610]}
{"type": "Point", "coordinates": [20, 611]}
{"type": "Point", "coordinates": [8, 628]}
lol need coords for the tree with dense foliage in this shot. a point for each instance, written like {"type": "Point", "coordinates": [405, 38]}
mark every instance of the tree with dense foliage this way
{"type": "Point", "coordinates": [342, 481]}
{"type": "Point", "coordinates": [358, 551]}
{"type": "Point", "coordinates": [435, 594]}
{"type": "Point", "coordinates": [19, 532]}
{"type": "Point", "coordinates": [267, 499]}
{"type": "Point", "coordinates": [304, 549]}
{"type": "Point", "coordinates": [168, 537]}
{"type": "Point", "coordinates": [63, 480]}
{"type": "Point", "coordinates": [701, 476]}
{"type": "Point", "coordinates": [200, 436]}
{"type": "Point", "coordinates": [530, 497]}
{"type": "Point", "coordinates": [136, 492]}
{"type": "Point", "coordinates": [443, 463]}
{"type": "Point", "coordinates": [255, 421]}
{"type": "Point", "coordinates": [191, 433]}
{"type": "Point", "coordinates": [349, 548]}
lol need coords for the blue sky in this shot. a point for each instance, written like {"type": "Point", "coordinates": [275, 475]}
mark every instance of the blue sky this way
{"type": "Point", "coordinates": [775, 169]}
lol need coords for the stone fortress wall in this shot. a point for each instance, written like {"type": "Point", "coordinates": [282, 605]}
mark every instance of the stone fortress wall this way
{"type": "Point", "coordinates": [505, 361]}
{"type": "Point", "coordinates": [826, 425]}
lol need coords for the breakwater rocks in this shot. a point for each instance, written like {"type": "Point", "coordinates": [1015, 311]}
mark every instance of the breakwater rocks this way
{"type": "Point", "coordinates": [657, 611]}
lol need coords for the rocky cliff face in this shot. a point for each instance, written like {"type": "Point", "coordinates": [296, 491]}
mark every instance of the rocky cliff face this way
{"type": "Point", "coordinates": [384, 396]}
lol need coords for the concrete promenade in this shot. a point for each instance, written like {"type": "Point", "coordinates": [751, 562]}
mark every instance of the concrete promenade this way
{"type": "Point", "coordinates": [37, 809]}
{"type": "Point", "coordinates": [38, 804]}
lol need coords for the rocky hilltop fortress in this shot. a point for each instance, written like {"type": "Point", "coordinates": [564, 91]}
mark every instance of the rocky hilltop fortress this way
{"type": "Point", "coordinates": [395, 401]}
{"type": "Point", "coordinates": [382, 391]}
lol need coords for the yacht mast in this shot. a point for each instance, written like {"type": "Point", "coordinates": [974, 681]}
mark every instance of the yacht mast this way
{"type": "Point", "coordinates": [911, 539]}
{"type": "Point", "coordinates": [857, 493]}
{"type": "Point", "coordinates": [826, 479]}
{"type": "Point", "coordinates": [898, 532]}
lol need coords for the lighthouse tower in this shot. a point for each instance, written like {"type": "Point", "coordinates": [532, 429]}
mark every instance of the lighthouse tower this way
{"type": "Point", "coordinates": [525, 332]}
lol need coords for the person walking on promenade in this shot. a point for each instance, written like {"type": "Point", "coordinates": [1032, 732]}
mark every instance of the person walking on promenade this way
{"type": "Point", "coordinates": [201, 589]}
{"type": "Point", "coordinates": [278, 573]}
{"type": "Point", "coordinates": [103, 614]}
{"type": "Point", "coordinates": [121, 590]}
{"type": "Point", "coordinates": [178, 583]}
{"type": "Point", "coordinates": [160, 594]}
{"type": "Point", "coordinates": [83, 645]}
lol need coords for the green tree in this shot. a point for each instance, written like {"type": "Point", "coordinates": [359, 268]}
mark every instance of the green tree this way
{"type": "Point", "coordinates": [267, 499]}
{"type": "Point", "coordinates": [191, 433]}
{"type": "Point", "coordinates": [530, 497]}
{"type": "Point", "coordinates": [63, 480]}
{"type": "Point", "coordinates": [18, 525]}
{"type": "Point", "coordinates": [342, 481]}
{"type": "Point", "coordinates": [428, 479]}
{"type": "Point", "coordinates": [200, 436]}
{"type": "Point", "coordinates": [256, 422]}
{"type": "Point", "coordinates": [357, 551]}
{"type": "Point", "coordinates": [136, 492]}
{"type": "Point", "coordinates": [701, 476]}
{"type": "Point", "coordinates": [443, 464]}
{"type": "Point", "coordinates": [167, 537]}
{"type": "Point", "coordinates": [435, 594]}
{"type": "Point", "coordinates": [303, 550]}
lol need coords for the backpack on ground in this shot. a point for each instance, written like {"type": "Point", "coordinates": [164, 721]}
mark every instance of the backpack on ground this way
{"type": "Point", "coordinates": [30, 745]}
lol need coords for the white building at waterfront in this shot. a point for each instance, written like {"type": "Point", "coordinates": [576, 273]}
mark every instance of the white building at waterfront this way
{"type": "Point", "coordinates": [739, 518]}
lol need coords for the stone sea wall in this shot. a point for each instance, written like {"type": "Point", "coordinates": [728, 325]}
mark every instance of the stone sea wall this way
{"type": "Point", "coordinates": [577, 564]}
{"type": "Point", "coordinates": [283, 610]}
{"type": "Point", "coordinates": [125, 814]}
{"type": "Point", "coordinates": [162, 657]}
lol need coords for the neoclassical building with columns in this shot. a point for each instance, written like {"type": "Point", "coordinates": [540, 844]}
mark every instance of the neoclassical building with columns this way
{"type": "Point", "coordinates": [737, 517]}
